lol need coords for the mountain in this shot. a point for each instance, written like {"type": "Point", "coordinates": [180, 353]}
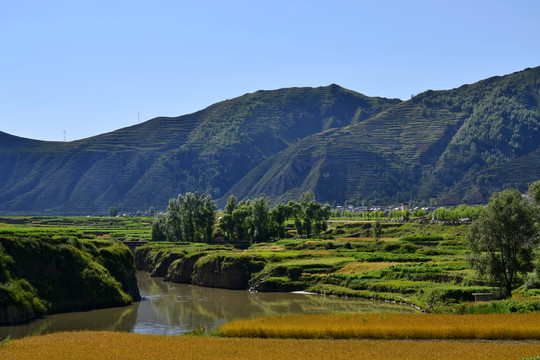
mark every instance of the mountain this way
{"type": "Point", "coordinates": [443, 147]}
{"type": "Point", "coordinates": [147, 164]}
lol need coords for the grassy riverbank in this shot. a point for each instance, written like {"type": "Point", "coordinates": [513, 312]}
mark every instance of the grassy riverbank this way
{"type": "Point", "coordinates": [111, 346]}
{"type": "Point", "coordinates": [49, 269]}
{"type": "Point", "coordinates": [424, 265]}
{"type": "Point", "coordinates": [421, 264]}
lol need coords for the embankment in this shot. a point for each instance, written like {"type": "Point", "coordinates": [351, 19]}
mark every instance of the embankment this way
{"type": "Point", "coordinates": [199, 264]}
{"type": "Point", "coordinates": [45, 272]}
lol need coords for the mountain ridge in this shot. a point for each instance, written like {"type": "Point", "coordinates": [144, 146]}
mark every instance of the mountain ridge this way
{"type": "Point", "coordinates": [445, 146]}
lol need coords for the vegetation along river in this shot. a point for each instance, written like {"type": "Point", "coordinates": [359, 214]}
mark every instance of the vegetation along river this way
{"type": "Point", "coordinates": [170, 309]}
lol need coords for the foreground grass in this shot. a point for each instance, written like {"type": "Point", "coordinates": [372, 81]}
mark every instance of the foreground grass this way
{"type": "Point", "coordinates": [115, 345]}
{"type": "Point", "coordinates": [390, 326]}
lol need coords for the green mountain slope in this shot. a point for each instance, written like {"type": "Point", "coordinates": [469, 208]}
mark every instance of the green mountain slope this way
{"type": "Point", "coordinates": [144, 165]}
{"type": "Point", "coordinates": [443, 147]}
{"type": "Point", "coordinates": [440, 146]}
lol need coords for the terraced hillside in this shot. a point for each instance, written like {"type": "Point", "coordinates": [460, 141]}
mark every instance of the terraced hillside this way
{"type": "Point", "coordinates": [147, 164]}
{"type": "Point", "coordinates": [443, 147]}
{"type": "Point", "coordinates": [448, 147]}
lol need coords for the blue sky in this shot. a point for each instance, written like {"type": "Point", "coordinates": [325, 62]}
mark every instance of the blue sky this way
{"type": "Point", "coordinates": [90, 67]}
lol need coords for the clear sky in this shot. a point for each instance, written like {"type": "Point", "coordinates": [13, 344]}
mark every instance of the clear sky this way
{"type": "Point", "coordinates": [89, 67]}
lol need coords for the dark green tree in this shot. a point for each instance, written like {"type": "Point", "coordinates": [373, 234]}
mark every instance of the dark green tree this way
{"type": "Point", "coordinates": [227, 224]}
{"type": "Point", "coordinates": [113, 211]}
{"type": "Point", "coordinates": [376, 230]}
{"type": "Point", "coordinates": [279, 214]}
{"type": "Point", "coordinates": [295, 211]}
{"type": "Point", "coordinates": [534, 192]}
{"type": "Point", "coordinates": [259, 219]}
{"type": "Point", "coordinates": [503, 239]}
{"type": "Point", "coordinates": [174, 219]}
{"type": "Point", "coordinates": [240, 217]}
{"type": "Point", "coordinates": [159, 228]}
{"type": "Point", "coordinates": [310, 217]}
{"type": "Point", "coordinates": [232, 203]}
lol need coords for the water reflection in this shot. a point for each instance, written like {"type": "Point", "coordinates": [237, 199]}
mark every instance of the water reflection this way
{"type": "Point", "coordinates": [169, 308]}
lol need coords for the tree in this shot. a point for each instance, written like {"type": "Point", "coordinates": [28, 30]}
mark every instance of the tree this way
{"type": "Point", "coordinates": [310, 217]}
{"type": "Point", "coordinates": [419, 213]}
{"type": "Point", "coordinates": [376, 230]}
{"type": "Point", "coordinates": [240, 217]}
{"type": "Point", "coordinates": [159, 228]}
{"type": "Point", "coordinates": [295, 210]}
{"type": "Point", "coordinates": [189, 217]}
{"type": "Point", "coordinates": [113, 211]}
{"type": "Point", "coordinates": [232, 202]}
{"type": "Point", "coordinates": [279, 215]}
{"type": "Point", "coordinates": [534, 192]}
{"type": "Point", "coordinates": [503, 239]}
{"type": "Point", "coordinates": [259, 219]}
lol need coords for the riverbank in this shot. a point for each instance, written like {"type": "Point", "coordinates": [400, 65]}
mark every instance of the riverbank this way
{"type": "Point", "coordinates": [423, 265]}
{"type": "Point", "coordinates": [48, 271]}
{"type": "Point", "coordinates": [173, 309]}
{"type": "Point", "coordinates": [127, 346]}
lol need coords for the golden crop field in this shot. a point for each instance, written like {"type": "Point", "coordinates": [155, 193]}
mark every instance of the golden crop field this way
{"type": "Point", "coordinates": [390, 326]}
{"type": "Point", "coordinates": [127, 346]}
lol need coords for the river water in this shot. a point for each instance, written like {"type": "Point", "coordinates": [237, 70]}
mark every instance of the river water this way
{"type": "Point", "coordinates": [171, 309]}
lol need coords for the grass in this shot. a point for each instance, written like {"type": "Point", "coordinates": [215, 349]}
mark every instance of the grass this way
{"type": "Point", "coordinates": [390, 326]}
{"type": "Point", "coordinates": [115, 345]}
{"type": "Point", "coordinates": [360, 267]}
{"type": "Point", "coordinates": [364, 239]}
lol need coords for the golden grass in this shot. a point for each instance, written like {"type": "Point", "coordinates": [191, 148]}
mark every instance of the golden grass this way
{"type": "Point", "coordinates": [390, 326]}
{"type": "Point", "coordinates": [360, 267]}
{"type": "Point", "coordinates": [128, 346]}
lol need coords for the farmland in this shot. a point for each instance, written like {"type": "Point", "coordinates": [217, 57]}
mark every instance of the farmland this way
{"type": "Point", "coordinates": [111, 346]}
{"type": "Point", "coordinates": [390, 326]}
{"type": "Point", "coordinates": [424, 265]}
{"type": "Point", "coordinates": [420, 264]}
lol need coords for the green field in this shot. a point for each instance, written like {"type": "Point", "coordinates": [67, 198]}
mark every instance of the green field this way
{"type": "Point", "coordinates": [424, 265]}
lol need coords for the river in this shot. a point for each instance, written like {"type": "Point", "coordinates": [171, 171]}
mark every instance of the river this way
{"type": "Point", "coordinates": [171, 309]}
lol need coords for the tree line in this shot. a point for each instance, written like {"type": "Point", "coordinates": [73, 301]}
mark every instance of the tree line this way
{"type": "Point", "coordinates": [193, 217]}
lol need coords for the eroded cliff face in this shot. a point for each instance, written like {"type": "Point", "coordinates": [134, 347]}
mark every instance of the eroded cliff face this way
{"type": "Point", "coordinates": [203, 268]}
{"type": "Point", "coordinates": [222, 271]}
{"type": "Point", "coordinates": [181, 270]}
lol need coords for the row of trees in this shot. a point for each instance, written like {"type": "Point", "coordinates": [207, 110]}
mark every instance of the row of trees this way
{"type": "Point", "coordinates": [191, 217]}
{"type": "Point", "coordinates": [457, 213]}
{"type": "Point", "coordinates": [253, 220]}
